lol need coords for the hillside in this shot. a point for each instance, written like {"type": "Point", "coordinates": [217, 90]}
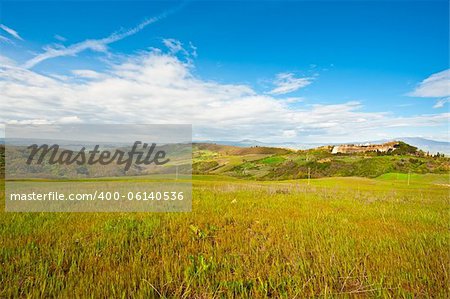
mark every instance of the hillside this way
{"type": "Point", "coordinates": [427, 145]}
{"type": "Point", "coordinates": [270, 163]}
{"type": "Point", "coordinates": [265, 163]}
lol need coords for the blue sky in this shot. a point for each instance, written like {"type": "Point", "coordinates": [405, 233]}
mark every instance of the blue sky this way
{"type": "Point", "coordinates": [302, 71]}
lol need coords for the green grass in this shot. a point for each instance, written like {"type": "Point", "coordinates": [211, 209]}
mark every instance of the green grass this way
{"type": "Point", "coordinates": [318, 162]}
{"type": "Point", "coordinates": [202, 155]}
{"type": "Point", "coordinates": [274, 160]}
{"type": "Point", "coordinates": [415, 178]}
{"type": "Point", "coordinates": [334, 237]}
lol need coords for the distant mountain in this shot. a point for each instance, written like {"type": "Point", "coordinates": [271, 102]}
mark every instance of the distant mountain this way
{"type": "Point", "coordinates": [427, 145]}
{"type": "Point", "coordinates": [250, 143]}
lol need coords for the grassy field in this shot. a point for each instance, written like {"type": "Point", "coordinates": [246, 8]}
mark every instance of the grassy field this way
{"type": "Point", "coordinates": [333, 237]}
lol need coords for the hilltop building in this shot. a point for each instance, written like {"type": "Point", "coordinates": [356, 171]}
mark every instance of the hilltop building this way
{"type": "Point", "coordinates": [362, 148]}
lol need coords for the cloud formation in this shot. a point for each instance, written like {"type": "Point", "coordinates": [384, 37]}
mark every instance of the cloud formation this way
{"type": "Point", "coordinates": [287, 83]}
{"type": "Point", "coordinates": [5, 39]}
{"type": "Point", "coordinates": [11, 32]}
{"type": "Point", "coordinates": [440, 103]}
{"type": "Point", "coordinates": [158, 87]}
{"type": "Point", "coordinates": [97, 45]}
{"type": "Point", "coordinates": [437, 85]}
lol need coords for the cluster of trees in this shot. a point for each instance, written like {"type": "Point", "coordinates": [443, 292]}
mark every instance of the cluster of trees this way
{"type": "Point", "coordinates": [437, 155]}
{"type": "Point", "coordinates": [406, 149]}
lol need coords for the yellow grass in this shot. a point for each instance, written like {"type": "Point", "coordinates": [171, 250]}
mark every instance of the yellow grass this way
{"type": "Point", "coordinates": [345, 236]}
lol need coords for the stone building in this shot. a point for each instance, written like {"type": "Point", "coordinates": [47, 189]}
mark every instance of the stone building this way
{"type": "Point", "coordinates": [362, 148]}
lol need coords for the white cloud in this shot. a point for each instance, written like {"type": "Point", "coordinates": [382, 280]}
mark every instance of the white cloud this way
{"type": "Point", "coordinates": [440, 103]}
{"type": "Point", "coordinates": [89, 74]}
{"type": "Point", "coordinates": [6, 62]}
{"type": "Point", "coordinates": [153, 87]}
{"type": "Point", "coordinates": [435, 86]}
{"type": "Point", "coordinates": [194, 49]}
{"type": "Point", "coordinates": [287, 83]}
{"type": "Point", "coordinates": [176, 47]}
{"type": "Point", "coordinates": [69, 120]}
{"type": "Point", "coordinates": [97, 45]}
{"type": "Point", "coordinates": [60, 38]}
{"type": "Point", "coordinates": [173, 45]}
{"type": "Point", "coordinates": [289, 133]}
{"type": "Point", "coordinates": [292, 100]}
{"type": "Point", "coordinates": [11, 32]}
{"type": "Point", "coordinates": [34, 121]}
{"type": "Point", "coordinates": [5, 39]}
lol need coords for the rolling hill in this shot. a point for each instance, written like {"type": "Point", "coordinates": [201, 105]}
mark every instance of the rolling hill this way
{"type": "Point", "coordinates": [266, 163]}
{"type": "Point", "coordinates": [272, 163]}
{"type": "Point", "coordinates": [427, 145]}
